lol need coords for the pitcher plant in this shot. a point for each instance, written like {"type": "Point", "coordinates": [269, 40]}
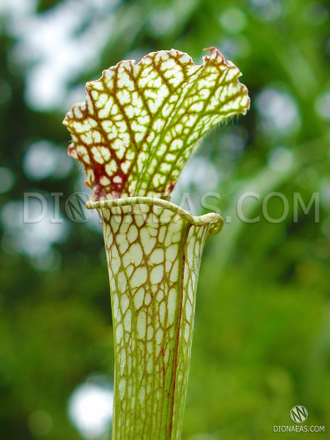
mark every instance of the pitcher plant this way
{"type": "Point", "coordinates": [134, 133]}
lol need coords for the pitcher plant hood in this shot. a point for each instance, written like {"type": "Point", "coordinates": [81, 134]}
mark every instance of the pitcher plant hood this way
{"type": "Point", "coordinates": [141, 122]}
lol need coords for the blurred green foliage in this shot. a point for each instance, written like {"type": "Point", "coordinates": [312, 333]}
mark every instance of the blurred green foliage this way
{"type": "Point", "coordinates": [262, 331]}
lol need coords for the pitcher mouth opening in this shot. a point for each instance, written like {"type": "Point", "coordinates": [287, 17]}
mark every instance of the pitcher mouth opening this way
{"type": "Point", "coordinates": [213, 219]}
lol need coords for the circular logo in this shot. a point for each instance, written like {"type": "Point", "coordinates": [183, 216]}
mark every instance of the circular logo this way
{"type": "Point", "coordinates": [298, 414]}
{"type": "Point", "coordinates": [75, 208]}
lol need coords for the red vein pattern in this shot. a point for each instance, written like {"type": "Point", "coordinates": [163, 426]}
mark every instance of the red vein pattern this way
{"type": "Point", "coordinates": [141, 122]}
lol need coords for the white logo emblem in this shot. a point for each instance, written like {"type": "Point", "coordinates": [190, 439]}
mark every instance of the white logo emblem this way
{"type": "Point", "coordinates": [298, 414]}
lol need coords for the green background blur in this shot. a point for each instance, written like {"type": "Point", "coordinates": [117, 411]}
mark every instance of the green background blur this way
{"type": "Point", "coordinates": [262, 329]}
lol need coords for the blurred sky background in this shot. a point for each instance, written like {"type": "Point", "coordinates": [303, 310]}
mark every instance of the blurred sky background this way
{"type": "Point", "coordinates": [262, 329]}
